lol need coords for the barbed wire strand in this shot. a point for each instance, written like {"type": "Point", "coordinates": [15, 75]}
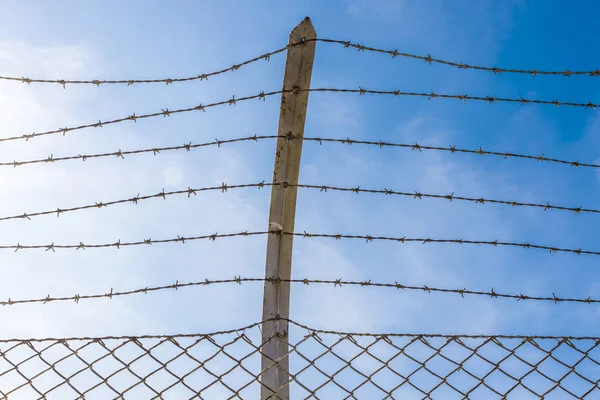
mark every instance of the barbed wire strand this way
{"type": "Point", "coordinates": [134, 200]}
{"type": "Point", "coordinates": [335, 282]}
{"type": "Point", "coordinates": [429, 59]}
{"type": "Point", "coordinates": [167, 81]}
{"type": "Point", "coordinates": [452, 149]}
{"type": "Point", "coordinates": [133, 117]}
{"type": "Point", "coordinates": [368, 238]}
{"type": "Point", "coordinates": [154, 150]}
{"type": "Point", "coordinates": [404, 239]}
{"type": "Point", "coordinates": [435, 96]}
{"type": "Point", "coordinates": [320, 140]}
{"type": "Point", "coordinates": [347, 44]}
{"type": "Point", "coordinates": [449, 197]}
{"type": "Point", "coordinates": [262, 96]}
{"type": "Point", "coordinates": [224, 187]}
{"type": "Point", "coordinates": [311, 330]}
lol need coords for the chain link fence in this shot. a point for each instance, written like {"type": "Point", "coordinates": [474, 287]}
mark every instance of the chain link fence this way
{"type": "Point", "coordinates": [323, 365]}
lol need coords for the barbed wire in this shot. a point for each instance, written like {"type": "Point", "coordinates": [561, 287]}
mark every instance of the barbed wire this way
{"type": "Point", "coordinates": [134, 200]}
{"type": "Point", "coordinates": [154, 150]}
{"type": "Point", "coordinates": [435, 96]}
{"type": "Point", "coordinates": [379, 143]}
{"type": "Point", "coordinates": [404, 239]}
{"type": "Point", "coordinates": [338, 236]}
{"type": "Point", "coordinates": [262, 96]}
{"type": "Point", "coordinates": [224, 187]}
{"type": "Point", "coordinates": [306, 281]}
{"type": "Point", "coordinates": [312, 330]}
{"type": "Point", "coordinates": [309, 329]}
{"type": "Point", "coordinates": [133, 117]}
{"type": "Point", "coordinates": [451, 149]}
{"type": "Point", "coordinates": [449, 197]}
{"type": "Point", "coordinates": [118, 244]}
{"type": "Point", "coordinates": [429, 59]}
{"type": "Point", "coordinates": [266, 56]}
{"type": "Point", "coordinates": [167, 81]}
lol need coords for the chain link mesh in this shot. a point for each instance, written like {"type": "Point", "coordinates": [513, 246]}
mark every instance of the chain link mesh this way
{"type": "Point", "coordinates": [323, 365]}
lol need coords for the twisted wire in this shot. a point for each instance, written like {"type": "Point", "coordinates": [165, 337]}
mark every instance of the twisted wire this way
{"type": "Point", "coordinates": [133, 117]}
{"type": "Point", "coordinates": [379, 143]}
{"type": "Point", "coordinates": [167, 81]}
{"type": "Point", "coordinates": [134, 200]}
{"type": "Point", "coordinates": [493, 294]}
{"type": "Point", "coordinates": [224, 187]}
{"type": "Point", "coordinates": [338, 236]}
{"type": "Point", "coordinates": [262, 96]}
{"type": "Point", "coordinates": [429, 59]}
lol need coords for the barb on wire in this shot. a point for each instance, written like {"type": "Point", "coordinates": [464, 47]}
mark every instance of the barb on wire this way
{"type": "Point", "coordinates": [118, 244]}
{"type": "Point", "coordinates": [306, 281]}
{"type": "Point", "coordinates": [262, 95]}
{"type": "Point", "coordinates": [404, 239]}
{"type": "Point", "coordinates": [133, 117]}
{"type": "Point", "coordinates": [167, 81]}
{"type": "Point", "coordinates": [429, 59]}
{"type": "Point", "coordinates": [449, 197]}
{"type": "Point", "coordinates": [224, 187]}
{"type": "Point", "coordinates": [451, 149]}
{"type": "Point", "coordinates": [379, 143]}
{"type": "Point", "coordinates": [134, 200]}
{"type": "Point", "coordinates": [121, 154]}
{"type": "Point", "coordinates": [367, 238]}
{"type": "Point", "coordinates": [435, 96]}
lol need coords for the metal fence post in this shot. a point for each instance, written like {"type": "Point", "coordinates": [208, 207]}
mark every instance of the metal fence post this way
{"type": "Point", "coordinates": [276, 302]}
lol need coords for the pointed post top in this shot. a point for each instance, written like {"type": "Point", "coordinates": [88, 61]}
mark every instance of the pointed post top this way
{"type": "Point", "coordinates": [304, 30]}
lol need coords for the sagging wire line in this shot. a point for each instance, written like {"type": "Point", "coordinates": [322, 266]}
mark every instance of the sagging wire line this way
{"type": "Point", "coordinates": [493, 294]}
{"type": "Point", "coordinates": [262, 96]}
{"type": "Point", "coordinates": [224, 187]}
{"type": "Point", "coordinates": [337, 236]}
{"type": "Point", "coordinates": [167, 81]}
{"type": "Point", "coordinates": [378, 143]}
{"type": "Point", "coordinates": [429, 59]}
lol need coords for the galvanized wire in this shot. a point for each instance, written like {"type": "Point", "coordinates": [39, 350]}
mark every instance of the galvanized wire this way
{"type": "Point", "coordinates": [262, 96]}
{"type": "Point", "coordinates": [224, 187]}
{"type": "Point", "coordinates": [494, 294]}
{"type": "Point", "coordinates": [338, 236]}
{"type": "Point", "coordinates": [130, 82]}
{"type": "Point", "coordinates": [323, 364]}
{"type": "Point", "coordinates": [429, 59]}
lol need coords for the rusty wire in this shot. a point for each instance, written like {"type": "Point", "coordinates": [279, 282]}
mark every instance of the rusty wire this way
{"type": "Point", "coordinates": [224, 187]}
{"type": "Point", "coordinates": [494, 294]}
{"type": "Point", "coordinates": [167, 81]}
{"type": "Point", "coordinates": [262, 96]}
{"type": "Point", "coordinates": [338, 236]}
{"type": "Point", "coordinates": [534, 365]}
{"type": "Point", "coordinates": [429, 59]}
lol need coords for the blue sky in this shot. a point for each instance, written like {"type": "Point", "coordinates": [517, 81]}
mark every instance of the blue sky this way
{"type": "Point", "coordinates": [149, 39]}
